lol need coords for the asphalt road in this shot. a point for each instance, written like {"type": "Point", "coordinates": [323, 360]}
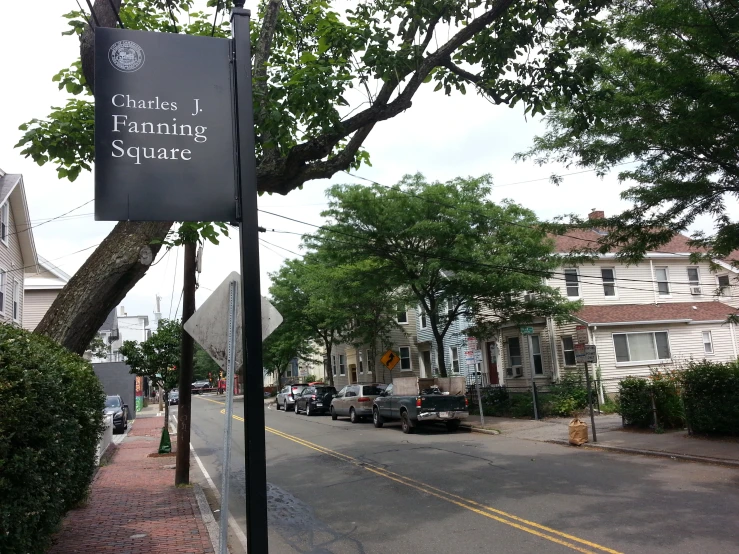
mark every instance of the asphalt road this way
{"type": "Point", "coordinates": [345, 489]}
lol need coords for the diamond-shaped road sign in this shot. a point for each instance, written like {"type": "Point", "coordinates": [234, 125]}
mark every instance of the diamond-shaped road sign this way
{"type": "Point", "coordinates": [209, 324]}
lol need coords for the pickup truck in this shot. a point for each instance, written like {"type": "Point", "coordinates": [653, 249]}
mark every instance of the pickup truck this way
{"type": "Point", "coordinates": [414, 400]}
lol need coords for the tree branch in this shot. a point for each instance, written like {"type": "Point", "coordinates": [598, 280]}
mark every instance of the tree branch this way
{"type": "Point", "coordinates": [476, 80]}
{"type": "Point", "coordinates": [261, 57]}
{"type": "Point", "coordinates": [106, 15]}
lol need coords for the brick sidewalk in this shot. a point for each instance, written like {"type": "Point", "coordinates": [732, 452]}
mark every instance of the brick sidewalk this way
{"type": "Point", "coordinates": [134, 507]}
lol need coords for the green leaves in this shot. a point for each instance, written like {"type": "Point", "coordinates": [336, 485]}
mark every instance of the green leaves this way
{"type": "Point", "coordinates": [157, 357]}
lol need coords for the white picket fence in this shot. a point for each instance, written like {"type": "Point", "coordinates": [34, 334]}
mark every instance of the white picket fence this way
{"type": "Point", "coordinates": [106, 439]}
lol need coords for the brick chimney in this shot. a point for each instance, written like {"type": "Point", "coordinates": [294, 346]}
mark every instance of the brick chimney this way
{"type": "Point", "coordinates": [597, 214]}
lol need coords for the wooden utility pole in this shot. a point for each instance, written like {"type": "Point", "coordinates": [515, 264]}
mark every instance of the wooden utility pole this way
{"type": "Point", "coordinates": [182, 470]}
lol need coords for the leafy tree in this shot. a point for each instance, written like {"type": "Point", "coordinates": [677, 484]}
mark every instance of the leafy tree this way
{"type": "Point", "coordinates": [457, 252]}
{"type": "Point", "coordinates": [282, 346]}
{"type": "Point", "coordinates": [203, 365]}
{"type": "Point", "coordinates": [98, 348]}
{"type": "Point", "coordinates": [665, 97]}
{"type": "Point", "coordinates": [324, 75]}
{"type": "Point", "coordinates": [157, 357]}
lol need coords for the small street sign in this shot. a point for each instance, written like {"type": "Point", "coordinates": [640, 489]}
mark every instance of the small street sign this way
{"type": "Point", "coordinates": [471, 343]}
{"type": "Point", "coordinates": [478, 356]}
{"type": "Point", "coordinates": [390, 359]}
{"type": "Point", "coordinates": [527, 330]}
{"type": "Point", "coordinates": [469, 357]}
{"type": "Point", "coordinates": [582, 334]}
{"type": "Point", "coordinates": [585, 353]}
{"type": "Point", "coordinates": [209, 324]}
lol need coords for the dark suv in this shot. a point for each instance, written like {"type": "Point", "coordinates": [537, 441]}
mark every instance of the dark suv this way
{"type": "Point", "coordinates": [315, 399]}
{"type": "Point", "coordinates": [286, 397]}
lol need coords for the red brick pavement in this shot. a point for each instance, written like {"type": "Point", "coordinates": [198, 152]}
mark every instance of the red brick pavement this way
{"type": "Point", "coordinates": [134, 507]}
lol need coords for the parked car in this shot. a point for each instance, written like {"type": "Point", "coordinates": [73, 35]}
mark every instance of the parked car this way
{"type": "Point", "coordinates": [114, 406]}
{"type": "Point", "coordinates": [355, 401]}
{"type": "Point", "coordinates": [174, 397]}
{"type": "Point", "coordinates": [198, 387]}
{"type": "Point", "coordinates": [315, 399]}
{"type": "Point", "coordinates": [286, 397]}
{"type": "Point", "coordinates": [413, 400]}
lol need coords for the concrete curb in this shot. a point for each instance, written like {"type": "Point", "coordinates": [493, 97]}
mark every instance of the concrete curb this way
{"type": "Point", "coordinates": [478, 430]}
{"type": "Point", "coordinates": [653, 453]}
{"type": "Point", "coordinates": [208, 520]}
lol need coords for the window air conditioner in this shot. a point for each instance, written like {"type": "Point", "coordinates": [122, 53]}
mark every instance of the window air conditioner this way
{"type": "Point", "coordinates": [695, 291]}
{"type": "Point", "coordinates": [518, 370]}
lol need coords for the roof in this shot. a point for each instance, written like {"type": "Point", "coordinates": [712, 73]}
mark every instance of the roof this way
{"type": "Point", "coordinates": [674, 312]}
{"type": "Point", "coordinates": [34, 280]}
{"type": "Point", "coordinates": [11, 189]}
{"type": "Point", "coordinates": [588, 238]}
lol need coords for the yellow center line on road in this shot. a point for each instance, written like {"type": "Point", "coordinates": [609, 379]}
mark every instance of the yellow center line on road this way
{"type": "Point", "coordinates": [480, 509]}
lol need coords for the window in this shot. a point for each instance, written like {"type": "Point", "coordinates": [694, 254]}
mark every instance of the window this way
{"type": "Point", "coordinates": [16, 300]}
{"type": "Point", "coordinates": [402, 315]}
{"type": "Point", "coordinates": [450, 305]}
{"type": "Point", "coordinates": [663, 282]}
{"type": "Point", "coordinates": [455, 359]}
{"type": "Point", "coordinates": [405, 358]}
{"type": "Point", "coordinates": [694, 278]}
{"type": "Point", "coordinates": [369, 357]}
{"type": "Point", "coordinates": [333, 364]}
{"type": "Point", "coordinates": [568, 351]}
{"type": "Point", "coordinates": [572, 282]}
{"type": "Point", "coordinates": [608, 274]}
{"type": "Point", "coordinates": [424, 321]}
{"type": "Point", "coordinates": [724, 286]}
{"type": "Point", "coordinates": [637, 347]}
{"type": "Point", "coordinates": [342, 364]}
{"type": "Point", "coordinates": [707, 342]}
{"type": "Point", "coordinates": [514, 351]}
{"type": "Point", "coordinates": [536, 355]}
{"type": "Point", "coordinates": [361, 367]}
{"type": "Point", "coordinates": [2, 291]}
{"type": "Point", "coordinates": [4, 222]}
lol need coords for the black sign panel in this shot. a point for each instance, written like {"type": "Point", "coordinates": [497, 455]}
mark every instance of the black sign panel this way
{"type": "Point", "coordinates": [164, 127]}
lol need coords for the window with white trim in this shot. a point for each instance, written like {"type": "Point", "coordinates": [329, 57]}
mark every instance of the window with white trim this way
{"type": "Point", "coordinates": [663, 281]}
{"type": "Point", "coordinates": [568, 351]}
{"type": "Point", "coordinates": [608, 274]}
{"type": "Point", "coordinates": [3, 278]}
{"type": "Point", "coordinates": [405, 358]}
{"type": "Point", "coordinates": [402, 315]}
{"type": "Point", "coordinates": [333, 364]}
{"type": "Point", "coordinates": [694, 278]}
{"type": "Point", "coordinates": [369, 357]}
{"type": "Point", "coordinates": [536, 355]}
{"type": "Point", "coordinates": [342, 364]}
{"type": "Point", "coordinates": [361, 367]}
{"type": "Point", "coordinates": [514, 351]}
{"type": "Point", "coordinates": [423, 319]}
{"type": "Point", "coordinates": [16, 300]}
{"type": "Point", "coordinates": [4, 222]}
{"type": "Point", "coordinates": [724, 285]}
{"type": "Point", "coordinates": [450, 305]}
{"type": "Point", "coordinates": [454, 352]}
{"type": "Point", "coordinates": [639, 347]}
{"type": "Point", "coordinates": [572, 282]}
{"type": "Point", "coordinates": [707, 342]}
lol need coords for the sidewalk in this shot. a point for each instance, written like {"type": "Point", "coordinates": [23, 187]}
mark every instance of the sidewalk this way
{"type": "Point", "coordinates": [612, 436]}
{"type": "Point", "coordinates": [134, 507]}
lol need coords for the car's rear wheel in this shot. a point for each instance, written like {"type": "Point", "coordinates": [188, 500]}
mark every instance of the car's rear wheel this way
{"type": "Point", "coordinates": [333, 414]}
{"type": "Point", "coordinates": [353, 416]}
{"type": "Point", "coordinates": [453, 426]}
{"type": "Point", "coordinates": [308, 410]}
{"type": "Point", "coordinates": [297, 411]}
{"type": "Point", "coordinates": [377, 418]}
{"type": "Point", "coordinates": [405, 423]}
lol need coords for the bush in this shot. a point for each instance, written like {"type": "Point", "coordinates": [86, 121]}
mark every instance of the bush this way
{"type": "Point", "coordinates": [50, 424]}
{"type": "Point", "coordinates": [711, 397]}
{"type": "Point", "coordinates": [635, 400]}
{"type": "Point", "coordinates": [568, 396]}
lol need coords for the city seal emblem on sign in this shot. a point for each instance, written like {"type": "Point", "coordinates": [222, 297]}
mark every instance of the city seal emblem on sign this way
{"type": "Point", "coordinates": [126, 55]}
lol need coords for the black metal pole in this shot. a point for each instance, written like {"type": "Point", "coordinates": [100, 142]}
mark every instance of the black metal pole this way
{"type": "Point", "coordinates": [590, 402]}
{"type": "Point", "coordinates": [254, 449]}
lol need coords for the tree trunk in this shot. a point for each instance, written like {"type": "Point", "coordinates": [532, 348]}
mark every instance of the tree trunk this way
{"type": "Point", "coordinates": [439, 349]}
{"type": "Point", "coordinates": [166, 409]}
{"type": "Point", "coordinates": [100, 284]}
{"type": "Point", "coordinates": [330, 371]}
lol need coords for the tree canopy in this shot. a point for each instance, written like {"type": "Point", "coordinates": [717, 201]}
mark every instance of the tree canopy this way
{"type": "Point", "coordinates": [325, 73]}
{"type": "Point", "coordinates": [158, 356]}
{"type": "Point", "coordinates": [664, 97]}
{"type": "Point", "coordinates": [453, 251]}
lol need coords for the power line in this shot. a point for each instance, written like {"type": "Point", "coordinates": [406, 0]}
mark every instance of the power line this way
{"type": "Point", "coordinates": [174, 278]}
{"type": "Point", "coordinates": [49, 220]}
{"type": "Point", "coordinates": [282, 248]}
{"type": "Point", "coordinates": [55, 259]}
{"type": "Point", "coordinates": [178, 302]}
{"type": "Point", "coordinates": [215, 17]}
{"type": "Point", "coordinates": [273, 251]}
{"type": "Point", "coordinates": [171, 16]}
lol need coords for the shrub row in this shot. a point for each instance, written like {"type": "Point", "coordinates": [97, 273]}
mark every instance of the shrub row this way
{"type": "Point", "coordinates": [704, 396]}
{"type": "Point", "coordinates": [51, 420]}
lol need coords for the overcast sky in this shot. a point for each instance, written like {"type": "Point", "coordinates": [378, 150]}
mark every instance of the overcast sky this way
{"type": "Point", "coordinates": [442, 137]}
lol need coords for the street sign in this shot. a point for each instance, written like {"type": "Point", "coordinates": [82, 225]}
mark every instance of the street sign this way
{"type": "Point", "coordinates": [471, 343]}
{"type": "Point", "coordinates": [585, 353]}
{"type": "Point", "coordinates": [478, 356]}
{"type": "Point", "coordinates": [390, 359]}
{"type": "Point", "coordinates": [527, 330]}
{"type": "Point", "coordinates": [582, 334]}
{"type": "Point", "coordinates": [469, 357]}
{"type": "Point", "coordinates": [209, 324]}
{"type": "Point", "coordinates": [164, 127]}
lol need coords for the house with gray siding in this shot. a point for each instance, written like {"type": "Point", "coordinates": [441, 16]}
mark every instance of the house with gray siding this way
{"type": "Point", "coordinates": [40, 290]}
{"type": "Point", "coordinates": [17, 249]}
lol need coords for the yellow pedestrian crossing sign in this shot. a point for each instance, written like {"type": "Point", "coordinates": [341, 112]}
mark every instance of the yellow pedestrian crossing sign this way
{"type": "Point", "coordinates": [390, 359]}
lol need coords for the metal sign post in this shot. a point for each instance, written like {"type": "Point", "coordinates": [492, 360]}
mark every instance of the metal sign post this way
{"type": "Point", "coordinates": [590, 402]}
{"type": "Point", "coordinates": [230, 369]}
{"type": "Point", "coordinates": [255, 465]}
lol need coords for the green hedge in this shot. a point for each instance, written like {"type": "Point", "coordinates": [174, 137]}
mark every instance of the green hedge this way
{"type": "Point", "coordinates": [51, 418]}
{"type": "Point", "coordinates": [711, 397]}
{"type": "Point", "coordinates": [635, 401]}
